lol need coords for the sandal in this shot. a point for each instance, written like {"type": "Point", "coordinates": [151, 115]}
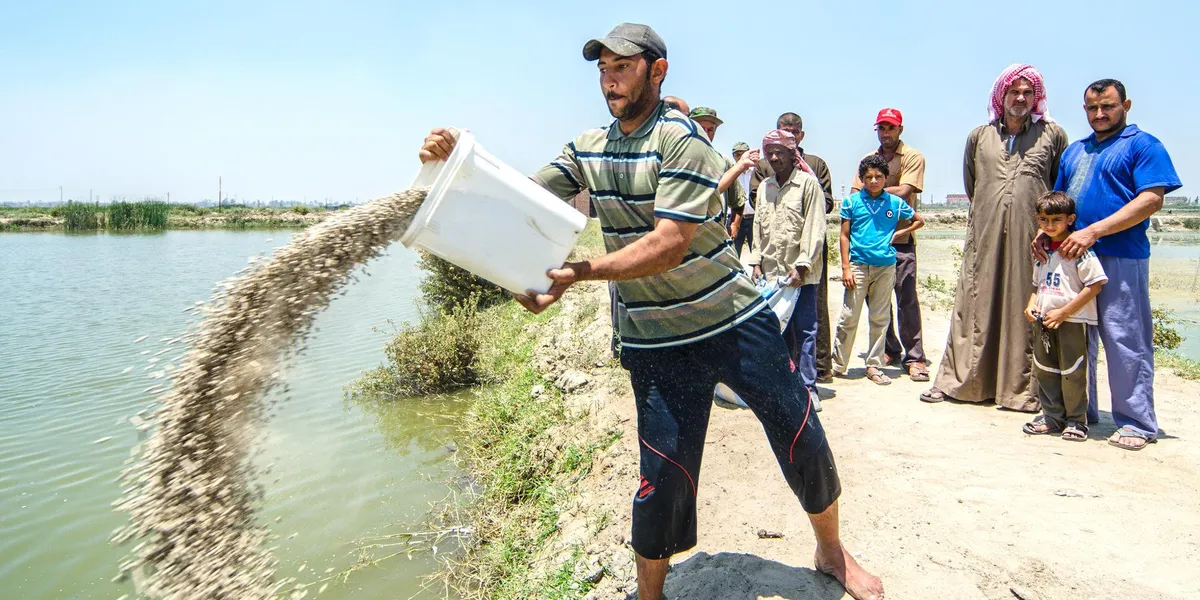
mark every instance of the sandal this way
{"type": "Point", "coordinates": [1040, 425]}
{"type": "Point", "coordinates": [933, 395]}
{"type": "Point", "coordinates": [1075, 432]}
{"type": "Point", "coordinates": [918, 371]}
{"type": "Point", "coordinates": [877, 377]}
{"type": "Point", "coordinates": [1129, 432]}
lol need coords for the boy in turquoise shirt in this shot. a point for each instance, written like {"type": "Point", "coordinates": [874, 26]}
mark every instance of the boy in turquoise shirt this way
{"type": "Point", "coordinates": [869, 218]}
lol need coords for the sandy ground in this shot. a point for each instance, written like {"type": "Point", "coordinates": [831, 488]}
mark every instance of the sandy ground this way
{"type": "Point", "coordinates": [941, 501]}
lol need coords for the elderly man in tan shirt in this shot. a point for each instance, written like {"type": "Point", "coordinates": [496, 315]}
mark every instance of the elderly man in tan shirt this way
{"type": "Point", "coordinates": [789, 231]}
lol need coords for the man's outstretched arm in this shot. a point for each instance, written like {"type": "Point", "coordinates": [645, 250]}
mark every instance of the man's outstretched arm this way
{"type": "Point", "coordinates": [659, 251]}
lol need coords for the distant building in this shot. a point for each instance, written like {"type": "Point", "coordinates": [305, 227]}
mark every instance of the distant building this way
{"type": "Point", "coordinates": [957, 200]}
{"type": "Point", "coordinates": [582, 202]}
{"type": "Point", "coordinates": [1176, 200]}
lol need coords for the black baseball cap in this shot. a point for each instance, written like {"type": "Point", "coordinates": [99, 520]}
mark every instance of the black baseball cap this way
{"type": "Point", "coordinates": [627, 39]}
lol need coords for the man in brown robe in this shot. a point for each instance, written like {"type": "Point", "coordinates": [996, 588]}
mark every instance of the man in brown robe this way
{"type": "Point", "coordinates": [1008, 164]}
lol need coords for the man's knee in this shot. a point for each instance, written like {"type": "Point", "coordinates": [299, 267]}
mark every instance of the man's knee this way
{"type": "Point", "coordinates": [664, 514]}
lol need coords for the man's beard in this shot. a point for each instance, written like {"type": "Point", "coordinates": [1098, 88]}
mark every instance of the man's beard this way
{"type": "Point", "coordinates": [636, 104]}
{"type": "Point", "coordinates": [1017, 112]}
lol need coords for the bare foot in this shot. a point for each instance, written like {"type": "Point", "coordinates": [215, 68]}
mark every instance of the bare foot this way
{"type": "Point", "coordinates": [838, 564]}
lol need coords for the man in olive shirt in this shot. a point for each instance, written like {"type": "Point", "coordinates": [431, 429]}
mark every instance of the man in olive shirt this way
{"type": "Point", "coordinates": [906, 178]}
{"type": "Point", "coordinates": [793, 124]}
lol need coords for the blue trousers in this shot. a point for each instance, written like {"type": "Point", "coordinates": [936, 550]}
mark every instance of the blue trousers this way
{"type": "Point", "coordinates": [801, 335]}
{"type": "Point", "coordinates": [1127, 330]}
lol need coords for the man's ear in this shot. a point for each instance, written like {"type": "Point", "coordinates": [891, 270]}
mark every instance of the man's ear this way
{"type": "Point", "coordinates": [658, 70]}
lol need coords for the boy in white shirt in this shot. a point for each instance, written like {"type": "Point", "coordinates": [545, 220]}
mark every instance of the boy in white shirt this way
{"type": "Point", "coordinates": [1063, 305]}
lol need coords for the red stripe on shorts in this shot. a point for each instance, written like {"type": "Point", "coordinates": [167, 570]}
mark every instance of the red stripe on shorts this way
{"type": "Point", "coordinates": [685, 471]}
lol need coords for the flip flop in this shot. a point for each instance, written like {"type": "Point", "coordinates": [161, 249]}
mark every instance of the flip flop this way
{"type": "Point", "coordinates": [877, 377]}
{"type": "Point", "coordinates": [933, 395]}
{"type": "Point", "coordinates": [918, 372]}
{"type": "Point", "coordinates": [1075, 432]}
{"type": "Point", "coordinates": [1127, 432]}
{"type": "Point", "coordinates": [1030, 428]}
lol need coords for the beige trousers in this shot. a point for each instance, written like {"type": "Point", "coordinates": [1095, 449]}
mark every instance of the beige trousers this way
{"type": "Point", "coordinates": [873, 285]}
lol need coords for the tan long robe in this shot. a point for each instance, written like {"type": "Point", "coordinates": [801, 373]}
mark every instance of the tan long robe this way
{"type": "Point", "coordinates": [988, 353]}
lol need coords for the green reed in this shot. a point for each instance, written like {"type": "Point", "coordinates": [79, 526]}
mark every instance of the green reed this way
{"type": "Point", "coordinates": [82, 216]}
{"type": "Point", "coordinates": [150, 213]}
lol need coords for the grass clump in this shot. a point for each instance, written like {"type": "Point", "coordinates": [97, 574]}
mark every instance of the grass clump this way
{"type": "Point", "coordinates": [446, 287]}
{"type": "Point", "coordinates": [939, 293]}
{"type": "Point", "coordinates": [1182, 366]}
{"type": "Point", "coordinates": [146, 214]}
{"type": "Point", "coordinates": [1166, 337]}
{"type": "Point", "coordinates": [833, 240]}
{"type": "Point", "coordinates": [1166, 340]}
{"type": "Point", "coordinates": [438, 355]}
{"type": "Point", "coordinates": [82, 216]}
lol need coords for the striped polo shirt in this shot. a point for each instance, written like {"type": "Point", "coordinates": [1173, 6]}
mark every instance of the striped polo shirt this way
{"type": "Point", "coordinates": [666, 169]}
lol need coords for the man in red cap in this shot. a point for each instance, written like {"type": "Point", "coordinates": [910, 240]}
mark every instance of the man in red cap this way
{"type": "Point", "coordinates": [906, 178]}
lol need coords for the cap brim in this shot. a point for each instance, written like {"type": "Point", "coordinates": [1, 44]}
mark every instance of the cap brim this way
{"type": "Point", "coordinates": [889, 122]}
{"type": "Point", "coordinates": [713, 119]}
{"type": "Point", "coordinates": [591, 50]}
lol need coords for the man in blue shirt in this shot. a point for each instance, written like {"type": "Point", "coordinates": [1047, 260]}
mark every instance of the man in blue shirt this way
{"type": "Point", "coordinates": [1118, 177]}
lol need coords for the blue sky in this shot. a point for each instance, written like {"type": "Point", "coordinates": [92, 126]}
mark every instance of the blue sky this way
{"type": "Point", "coordinates": [303, 99]}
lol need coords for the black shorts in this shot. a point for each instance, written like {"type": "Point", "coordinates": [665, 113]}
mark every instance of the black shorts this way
{"type": "Point", "coordinates": [673, 388]}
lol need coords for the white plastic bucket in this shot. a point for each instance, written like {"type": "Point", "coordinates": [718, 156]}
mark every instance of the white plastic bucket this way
{"type": "Point", "coordinates": [484, 216]}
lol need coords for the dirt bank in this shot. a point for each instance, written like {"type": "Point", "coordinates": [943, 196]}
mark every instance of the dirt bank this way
{"type": "Point", "coordinates": [942, 501]}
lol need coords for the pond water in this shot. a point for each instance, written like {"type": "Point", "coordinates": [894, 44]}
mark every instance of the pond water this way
{"type": "Point", "coordinates": [73, 306]}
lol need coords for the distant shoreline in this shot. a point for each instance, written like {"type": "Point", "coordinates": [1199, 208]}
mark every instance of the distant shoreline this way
{"type": "Point", "coordinates": [18, 220]}
{"type": "Point", "coordinates": [40, 219]}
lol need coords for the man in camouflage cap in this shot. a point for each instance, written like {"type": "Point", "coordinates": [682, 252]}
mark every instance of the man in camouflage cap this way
{"type": "Point", "coordinates": [741, 227]}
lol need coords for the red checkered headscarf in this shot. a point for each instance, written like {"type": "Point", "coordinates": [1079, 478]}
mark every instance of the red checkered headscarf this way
{"type": "Point", "coordinates": [787, 140]}
{"type": "Point", "coordinates": [1005, 81]}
